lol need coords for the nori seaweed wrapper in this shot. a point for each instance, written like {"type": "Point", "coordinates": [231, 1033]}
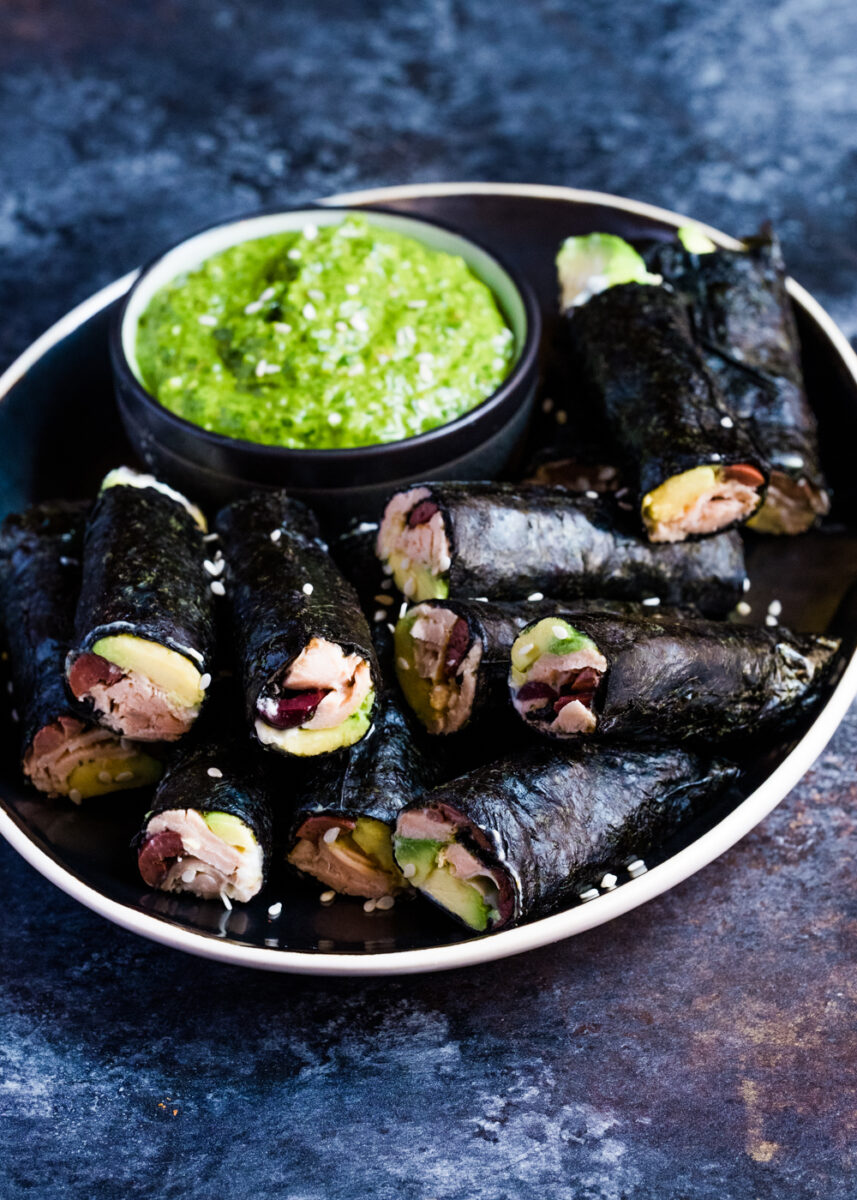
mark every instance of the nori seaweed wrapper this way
{"type": "Point", "coordinates": [143, 574]}
{"type": "Point", "coordinates": [39, 580]}
{"type": "Point", "coordinates": [554, 821]}
{"type": "Point", "coordinates": [664, 407]}
{"type": "Point", "coordinates": [510, 540]}
{"type": "Point", "coordinates": [743, 320]}
{"type": "Point", "coordinates": [272, 618]}
{"type": "Point", "coordinates": [673, 678]}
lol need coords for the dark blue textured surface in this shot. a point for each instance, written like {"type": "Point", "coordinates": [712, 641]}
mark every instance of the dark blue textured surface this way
{"type": "Point", "coordinates": [704, 1046]}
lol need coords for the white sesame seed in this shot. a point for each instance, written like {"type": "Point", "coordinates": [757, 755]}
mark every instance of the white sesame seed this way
{"type": "Point", "coordinates": [746, 585]}
{"type": "Point", "coordinates": [379, 616]}
{"type": "Point", "coordinates": [75, 796]}
{"type": "Point", "coordinates": [385, 903]}
{"type": "Point", "coordinates": [253, 307]}
{"type": "Point", "coordinates": [217, 587]}
{"type": "Point", "coordinates": [10, 687]}
{"type": "Point", "coordinates": [14, 715]}
{"type": "Point", "coordinates": [105, 777]}
{"type": "Point", "coordinates": [559, 631]}
{"type": "Point", "coordinates": [124, 776]}
{"type": "Point", "coordinates": [392, 628]}
{"type": "Point", "coordinates": [276, 534]}
{"type": "Point", "coordinates": [536, 596]}
{"type": "Point", "coordinates": [387, 568]}
{"type": "Point", "coordinates": [211, 537]}
{"type": "Point", "coordinates": [268, 294]}
{"type": "Point", "coordinates": [771, 621]}
{"type": "Point", "coordinates": [227, 903]}
{"type": "Point", "coordinates": [176, 330]}
{"type": "Point", "coordinates": [589, 894]}
{"type": "Point", "coordinates": [417, 304]}
{"type": "Point", "coordinates": [359, 322]}
{"type": "Point", "coordinates": [188, 874]}
{"type": "Point", "coordinates": [775, 608]}
{"type": "Point", "coordinates": [310, 232]}
{"type": "Point", "coordinates": [547, 405]}
{"type": "Point", "coordinates": [275, 910]}
{"type": "Point", "coordinates": [403, 608]}
{"type": "Point", "coordinates": [327, 897]}
{"type": "Point", "coordinates": [409, 870]}
{"type": "Point", "coordinates": [369, 906]}
{"type": "Point", "coordinates": [334, 418]}
{"type": "Point", "coordinates": [561, 417]}
{"type": "Point", "coordinates": [636, 867]}
{"type": "Point", "coordinates": [215, 568]}
{"type": "Point", "coordinates": [409, 587]}
{"type": "Point", "coordinates": [527, 648]}
{"type": "Point", "coordinates": [308, 311]}
{"type": "Point", "coordinates": [352, 289]}
{"type": "Point", "coordinates": [307, 589]}
{"type": "Point", "coordinates": [652, 601]}
{"type": "Point", "coordinates": [294, 254]}
{"type": "Point", "coordinates": [590, 495]}
{"type": "Point", "coordinates": [330, 835]}
{"type": "Point", "coordinates": [608, 882]}
{"type": "Point", "coordinates": [727, 422]}
{"type": "Point", "coordinates": [207, 320]}
{"type": "Point", "coordinates": [743, 609]}
{"type": "Point", "coordinates": [444, 563]}
{"type": "Point", "coordinates": [214, 773]}
{"type": "Point", "coordinates": [282, 327]}
{"type": "Point", "coordinates": [404, 562]}
{"type": "Point", "coordinates": [387, 583]}
{"type": "Point", "coordinates": [340, 326]}
{"type": "Point", "coordinates": [315, 294]}
{"type": "Point", "coordinates": [404, 665]}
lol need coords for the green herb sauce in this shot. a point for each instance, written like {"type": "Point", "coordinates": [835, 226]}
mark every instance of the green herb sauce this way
{"type": "Point", "coordinates": [344, 335]}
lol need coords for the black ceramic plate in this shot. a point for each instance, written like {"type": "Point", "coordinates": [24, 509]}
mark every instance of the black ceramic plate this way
{"type": "Point", "coordinates": [60, 434]}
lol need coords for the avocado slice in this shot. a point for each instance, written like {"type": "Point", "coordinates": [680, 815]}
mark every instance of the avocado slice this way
{"type": "Point", "coordinates": [170, 671]}
{"type": "Point", "coordinates": [416, 581]}
{"type": "Point", "coordinates": [544, 638]}
{"type": "Point", "coordinates": [590, 264]}
{"type": "Point", "coordinates": [84, 778]}
{"type": "Point", "coordinates": [376, 841]}
{"type": "Point", "coordinates": [676, 495]}
{"type": "Point", "coordinates": [420, 853]}
{"type": "Point", "coordinates": [416, 690]}
{"type": "Point", "coordinates": [464, 898]}
{"type": "Point", "coordinates": [230, 829]}
{"type": "Point", "coordinates": [306, 743]}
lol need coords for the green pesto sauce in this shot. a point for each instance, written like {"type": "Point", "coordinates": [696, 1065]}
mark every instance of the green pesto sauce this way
{"type": "Point", "coordinates": [345, 335]}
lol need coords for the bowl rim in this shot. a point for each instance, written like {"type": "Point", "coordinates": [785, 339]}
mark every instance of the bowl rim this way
{"type": "Point", "coordinates": [522, 368]}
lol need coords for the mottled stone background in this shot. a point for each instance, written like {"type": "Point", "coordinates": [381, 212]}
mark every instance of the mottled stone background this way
{"type": "Point", "coordinates": [703, 1047]}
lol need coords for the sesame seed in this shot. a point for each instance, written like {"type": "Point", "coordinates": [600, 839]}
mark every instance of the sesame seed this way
{"type": "Point", "coordinates": [327, 897]}
{"type": "Point", "coordinates": [409, 587]}
{"type": "Point", "coordinates": [608, 882]}
{"type": "Point", "coordinates": [335, 418]}
{"type": "Point", "coordinates": [775, 608]}
{"type": "Point", "coordinates": [536, 596]}
{"type": "Point", "coordinates": [771, 620]}
{"type": "Point", "coordinates": [559, 631]}
{"type": "Point", "coordinates": [275, 910]}
{"type": "Point", "coordinates": [404, 665]}
{"type": "Point", "coordinates": [409, 870]}
{"type": "Point", "coordinates": [636, 867]}
{"type": "Point", "coordinates": [105, 777]}
{"type": "Point", "coordinates": [14, 715]}
{"type": "Point", "coordinates": [282, 327]}
{"type": "Point", "coordinates": [75, 796]}
{"type": "Point", "coordinates": [387, 583]}
{"type": "Point", "coordinates": [652, 601]}
{"type": "Point", "coordinates": [359, 322]}
{"type": "Point", "coordinates": [386, 568]}
{"type": "Point", "coordinates": [276, 534]}
{"type": "Point", "coordinates": [527, 648]}
{"type": "Point", "coordinates": [404, 562]}
{"type": "Point", "coordinates": [268, 294]}
{"type": "Point", "coordinates": [743, 609]}
{"type": "Point", "coordinates": [176, 330]}
{"type": "Point", "coordinates": [746, 585]}
{"type": "Point", "coordinates": [124, 776]}
{"type": "Point", "coordinates": [217, 587]}
{"type": "Point", "coordinates": [214, 773]}
{"type": "Point", "coordinates": [310, 232]}
{"type": "Point", "coordinates": [10, 687]}
{"type": "Point", "coordinates": [727, 422]}
{"type": "Point", "coordinates": [590, 495]}
{"type": "Point", "coordinates": [253, 307]}
{"type": "Point", "coordinates": [188, 875]}
{"type": "Point", "coordinates": [309, 312]}
{"type": "Point", "coordinates": [392, 628]}
{"type": "Point", "coordinates": [547, 405]}
{"type": "Point", "coordinates": [207, 320]}
{"type": "Point", "coordinates": [211, 537]}
{"type": "Point", "coordinates": [227, 903]}
{"type": "Point", "coordinates": [403, 608]}
{"type": "Point", "coordinates": [444, 563]}
{"type": "Point", "coordinates": [381, 599]}
{"type": "Point", "coordinates": [215, 568]}
{"type": "Point", "coordinates": [315, 294]}
{"type": "Point", "coordinates": [385, 903]}
{"type": "Point", "coordinates": [340, 326]}
{"type": "Point", "coordinates": [379, 616]}
{"type": "Point", "coordinates": [330, 835]}
{"type": "Point", "coordinates": [307, 589]}
{"type": "Point", "coordinates": [589, 894]}
{"type": "Point", "coordinates": [416, 304]}
{"type": "Point", "coordinates": [561, 417]}
{"type": "Point", "coordinates": [352, 289]}
{"type": "Point", "coordinates": [294, 254]}
{"type": "Point", "coordinates": [369, 906]}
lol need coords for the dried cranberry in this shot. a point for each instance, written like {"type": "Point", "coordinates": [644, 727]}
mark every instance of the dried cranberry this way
{"type": "Point", "coordinates": [536, 691]}
{"type": "Point", "coordinates": [422, 513]}
{"type": "Point", "coordinates": [456, 647]}
{"type": "Point", "coordinates": [154, 854]}
{"type": "Point", "coordinates": [294, 708]}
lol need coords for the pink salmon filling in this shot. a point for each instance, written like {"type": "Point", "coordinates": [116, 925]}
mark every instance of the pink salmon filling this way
{"type": "Point", "coordinates": [734, 497]}
{"type": "Point", "coordinates": [413, 528]}
{"type": "Point", "coordinates": [129, 704]}
{"type": "Point", "coordinates": [322, 688]}
{"type": "Point", "coordinates": [181, 854]}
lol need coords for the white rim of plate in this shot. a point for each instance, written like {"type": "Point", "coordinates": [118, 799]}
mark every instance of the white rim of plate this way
{"type": "Point", "coordinates": [547, 930]}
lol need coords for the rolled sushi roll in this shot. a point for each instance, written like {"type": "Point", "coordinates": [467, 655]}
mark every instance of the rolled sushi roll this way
{"type": "Point", "coordinates": [144, 628]}
{"type": "Point", "coordinates": [302, 643]}
{"type": "Point", "coordinates": [209, 830]}
{"type": "Point", "coordinates": [452, 658]}
{"type": "Point", "coordinates": [531, 832]}
{"type": "Point", "coordinates": [663, 678]}
{"type": "Point", "coordinates": [342, 834]}
{"type": "Point", "coordinates": [62, 752]}
{"type": "Point", "coordinates": [508, 541]}
{"type": "Point", "coordinates": [743, 320]}
{"type": "Point", "coordinates": [695, 471]}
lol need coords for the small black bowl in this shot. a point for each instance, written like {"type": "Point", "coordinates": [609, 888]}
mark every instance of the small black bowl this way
{"type": "Point", "coordinates": [339, 484]}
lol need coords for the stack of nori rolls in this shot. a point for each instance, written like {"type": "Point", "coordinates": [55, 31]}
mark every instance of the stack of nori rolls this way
{"type": "Point", "coordinates": [302, 643]}
{"type": "Point", "coordinates": [144, 628]}
{"type": "Point", "coordinates": [743, 321]}
{"type": "Point", "coordinates": [209, 830]}
{"type": "Point", "coordinates": [507, 541]}
{"type": "Point", "coordinates": [694, 470]}
{"type": "Point", "coordinates": [62, 751]}
{"type": "Point", "coordinates": [523, 836]}
{"type": "Point", "coordinates": [662, 679]}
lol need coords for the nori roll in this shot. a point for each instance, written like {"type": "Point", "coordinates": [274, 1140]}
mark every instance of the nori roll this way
{"type": "Point", "coordinates": [663, 678]}
{"type": "Point", "coordinates": [144, 627]}
{"type": "Point", "coordinates": [507, 541]}
{"type": "Point", "coordinates": [301, 640]}
{"type": "Point", "coordinates": [342, 833]}
{"type": "Point", "coordinates": [63, 753]}
{"type": "Point", "coordinates": [209, 831]}
{"type": "Point", "coordinates": [743, 321]}
{"type": "Point", "coordinates": [695, 471]}
{"type": "Point", "coordinates": [528, 833]}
